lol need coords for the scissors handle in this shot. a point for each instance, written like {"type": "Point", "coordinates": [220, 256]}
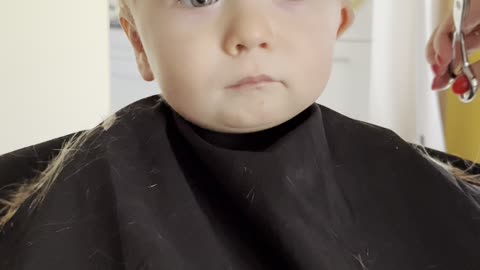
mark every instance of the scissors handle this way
{"type": "Point", "coordinates": [460, 12]}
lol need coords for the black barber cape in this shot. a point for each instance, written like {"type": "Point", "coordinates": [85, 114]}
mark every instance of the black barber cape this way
{"type": "Point", "coordinates": [319, 192]}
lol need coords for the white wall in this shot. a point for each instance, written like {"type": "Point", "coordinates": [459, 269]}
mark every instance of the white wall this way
{"type": "Point", "coordinates": [400, 95]}
{"type": "Point", "coordinates": [126, 82]}
{"type": "Point", "coordinates": [54, 69]}
{"type": "Point", "coordinates": [429, 124]}
{"type": "Point", "coordinates": [392, 97]}
{"type": "Point", "coordinates": [348, 89]}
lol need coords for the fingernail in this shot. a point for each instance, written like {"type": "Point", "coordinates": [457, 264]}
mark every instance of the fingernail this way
{"type": "Point", "coordinates": [436, 84]}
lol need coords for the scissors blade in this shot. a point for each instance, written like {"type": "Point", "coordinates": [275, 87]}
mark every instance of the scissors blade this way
{"type": "Point", "coordinates": [460, 8]}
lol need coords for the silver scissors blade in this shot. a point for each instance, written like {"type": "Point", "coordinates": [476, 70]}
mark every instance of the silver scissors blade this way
{"type": "Point", "coordinates": [460, 12]}
{"type": "Point", "coordinates": [460, 9]}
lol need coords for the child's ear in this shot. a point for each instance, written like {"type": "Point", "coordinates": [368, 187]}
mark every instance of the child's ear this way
{"type": "Point", "coordinates": [347, 18]}
{"type": "Point", "coordinates": [140, 55]}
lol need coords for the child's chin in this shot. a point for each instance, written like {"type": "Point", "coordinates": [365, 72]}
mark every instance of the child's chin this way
{"type": "Point", "coordinates": [249, 123]}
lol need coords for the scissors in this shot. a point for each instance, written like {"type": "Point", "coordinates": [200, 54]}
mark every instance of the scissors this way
{"type": "Point", "coordinates": [466, 76]}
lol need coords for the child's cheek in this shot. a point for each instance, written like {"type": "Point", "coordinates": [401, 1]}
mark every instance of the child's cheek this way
{"type": "Point", "coordinates": [293, 5]}
{"type": "Point", "coordinates": [312, 14]}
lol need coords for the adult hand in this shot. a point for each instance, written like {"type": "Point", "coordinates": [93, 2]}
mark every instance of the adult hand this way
{"type": "Point", "coordinates": [439, 48]}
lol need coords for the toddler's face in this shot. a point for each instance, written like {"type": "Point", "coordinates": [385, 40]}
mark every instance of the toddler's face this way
{"type": "Point", "coordinates": [197, 49]}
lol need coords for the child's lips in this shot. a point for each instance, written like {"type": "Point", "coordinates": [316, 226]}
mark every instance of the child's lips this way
{"type": "Point", "coordinates": [251, 81]}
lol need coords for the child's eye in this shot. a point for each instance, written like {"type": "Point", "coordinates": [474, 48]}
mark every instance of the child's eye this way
{"type": "Point", "coordinates": [197, 3]}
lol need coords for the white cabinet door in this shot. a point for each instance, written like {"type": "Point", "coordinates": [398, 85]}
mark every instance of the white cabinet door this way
{"type": "Point", "coordinates": [348, 89]}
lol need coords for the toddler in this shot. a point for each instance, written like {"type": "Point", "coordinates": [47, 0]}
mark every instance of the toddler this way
{"type": "Point", "coordinates": [234, 166]}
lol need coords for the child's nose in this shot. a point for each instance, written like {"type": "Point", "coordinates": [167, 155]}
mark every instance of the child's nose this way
{"type": "Point", "coordinates": [248, 28]}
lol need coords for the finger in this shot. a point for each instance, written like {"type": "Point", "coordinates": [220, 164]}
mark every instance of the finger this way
{"type": "Point", "coordinates": [442, 42]}
{"type": "Point", "coordinates": [472, 44]}
{"type": "Point", "coordinates": [429, 50]}
{"type": "Point", "coordinates": [472, 20]}
{"type": "Point", "coordinates": [472, 40]}
{"type": "Point", "coordinates": [440, 82]}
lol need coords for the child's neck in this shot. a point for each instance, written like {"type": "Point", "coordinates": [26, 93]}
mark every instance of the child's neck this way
{"type": "Point", "coordinates": [255, 141]}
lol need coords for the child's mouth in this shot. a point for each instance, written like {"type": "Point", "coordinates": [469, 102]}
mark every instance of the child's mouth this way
{"type": "Point", "coordinates": [252, 81]}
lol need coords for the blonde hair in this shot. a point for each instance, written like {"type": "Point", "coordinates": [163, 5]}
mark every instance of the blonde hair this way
{"type": "Point", "coordinates": [39, 186]}
{"type": "Point", "coordinates": [124, 11]}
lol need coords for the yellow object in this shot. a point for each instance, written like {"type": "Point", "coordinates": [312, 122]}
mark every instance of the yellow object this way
{"type": "Point", "coordinates": [462, 124]}
{"type": "Point", "coordinates": [357, 3]}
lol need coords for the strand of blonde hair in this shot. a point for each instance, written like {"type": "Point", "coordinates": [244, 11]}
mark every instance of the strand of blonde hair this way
{"type": "Point", "coordinates": [38, 188]}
